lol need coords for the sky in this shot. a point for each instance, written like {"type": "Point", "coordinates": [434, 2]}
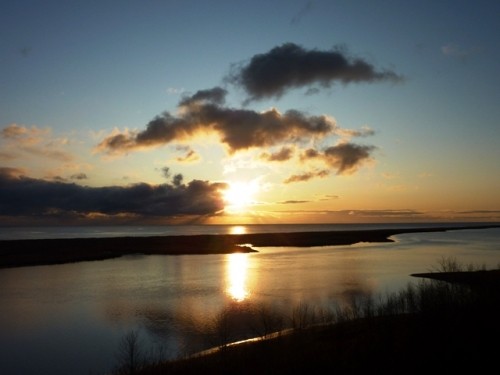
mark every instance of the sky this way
{"type": "Point", "coordinates": [239, 112]}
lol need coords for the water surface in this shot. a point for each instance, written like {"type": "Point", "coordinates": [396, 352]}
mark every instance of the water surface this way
{"type": "Point", "coordinates": [70, 318]}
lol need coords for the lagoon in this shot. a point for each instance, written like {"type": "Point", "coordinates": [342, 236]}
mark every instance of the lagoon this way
{"type": "Point", "coordinates": [70, 318]}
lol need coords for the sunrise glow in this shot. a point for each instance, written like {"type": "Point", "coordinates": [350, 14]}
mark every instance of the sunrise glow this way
{"type": "Point", "coordinates": [319, 129]}
{"type": "Point", "coordinates": [240, 195]}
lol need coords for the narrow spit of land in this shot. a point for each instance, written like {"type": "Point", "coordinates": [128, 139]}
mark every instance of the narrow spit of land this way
{"type": "Point", "coordinates": [17, 253]}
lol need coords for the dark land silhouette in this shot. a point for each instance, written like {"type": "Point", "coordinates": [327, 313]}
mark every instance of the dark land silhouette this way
{"type": "Point", "coordinates": [15, 253]}
{"type": "Point", "coordinates": [432, 327]}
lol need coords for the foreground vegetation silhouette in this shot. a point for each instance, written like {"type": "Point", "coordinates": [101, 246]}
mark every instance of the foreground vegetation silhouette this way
{"type": "Point", "coordinates": [445, 322]}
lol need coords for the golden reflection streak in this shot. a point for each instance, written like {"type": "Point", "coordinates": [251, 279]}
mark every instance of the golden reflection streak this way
{"type": "Point", "coordinates": [236, 276]}
{"type": "Point", "coordinates": [238, 229]}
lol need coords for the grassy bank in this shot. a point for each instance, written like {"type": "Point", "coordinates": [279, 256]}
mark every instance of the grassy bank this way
{"type": "Point", "coordinates": [430, 326]}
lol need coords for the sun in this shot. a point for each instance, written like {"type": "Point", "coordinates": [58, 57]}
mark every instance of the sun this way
{"type": "Point", "coordinates": [240, 195]}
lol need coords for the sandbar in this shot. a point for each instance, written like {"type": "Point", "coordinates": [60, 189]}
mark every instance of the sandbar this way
{"type": "Point", "coordinates": [17, 253]}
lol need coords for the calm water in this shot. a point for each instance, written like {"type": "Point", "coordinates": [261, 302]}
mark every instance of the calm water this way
{"type": "Point", "coordinates": [10, 233]}
{"type": "Point", "coordinates": [70, 318]}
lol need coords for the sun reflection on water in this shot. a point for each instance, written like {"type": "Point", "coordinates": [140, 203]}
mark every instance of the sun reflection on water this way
{"type": "Point", "coordinates": [238, 229]}
{"type": "Point", "coordinates": [236, 276]}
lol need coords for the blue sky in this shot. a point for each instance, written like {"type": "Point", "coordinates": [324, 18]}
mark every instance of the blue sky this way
{"type": "Point", "coordinates": [75, 73]}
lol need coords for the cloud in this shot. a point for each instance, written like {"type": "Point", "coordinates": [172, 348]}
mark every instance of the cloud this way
{"type": "Point", "coordinates": [24, 135]}
{"type": "Point", "coordinates": [190, 155]}
{"type": "Point", "coordinates": [25, 196]}
{"type": "Point", "coordinates": [286, 153]}
{"type": "Point", "coordinates": [455, 51]}
{"type": "Point", "coordinates": [302, 12]}
{"type": "Point", "coordinates": [165, 171]}
{"type": "Point", "coordinates": [79, 176]}
{"type": "Point", "coordinates": [11, 173]}
{"type": "Point", "coordinates": [292, 202]}
{"type": "Point", "coordinates": [366, 214]}
{"type": "Point", "coordinates": [290, 66]}
{"type": "Point", "coordinates": [479, 212]}
{"type": "Point", "coordinates": [7, 156]}
{"type": "Point", "coordinates": [329, 197]}
{"type": "Point", "coordinates": [238, 129]}
{"type": "Point", "coordinates": [33, 141]}
{"type": "Point", "coordinates": [346, 158]}
{"type": "Point", "coordinates": [216, 95]}
{"type": "Point", "coordinates": [174, 90]}
{"type": "Point", "coordinates": [365, 131]}
{"type": "Point", "coordinates": [307, 176]}
{"type": "Point", "coordinates": [385, 213]}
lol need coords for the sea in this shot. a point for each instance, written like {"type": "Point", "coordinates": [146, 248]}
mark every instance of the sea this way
{"type": "Point", "coordinates": [46, 232]}
{"type": "Point", "coordinates": [73, 318]}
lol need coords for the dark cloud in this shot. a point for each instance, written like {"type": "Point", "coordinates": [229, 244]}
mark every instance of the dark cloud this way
{"type": "Point", "coordinates": [216, 95]}
{"type": "Point", "coordinates": [292, 202]}
{"type": "Point", "coordinates": [312, 91]}
{"type": "Point", "coordinates": [190, 157]}
{"type": "Point", "coordinates": [165, 171]}
{"type": "Point", "coordinates": [177, 180]}
{"type": "Point", "coordinates": [24, 196]}
{"type": "Point", "coordinates": [79, 176]}
{"type": "Point", "coordinates": [302, 12]}
{"type": "Point", "coordinates": [284, 154]}
{"type": "Point", "coordinates": [346, 158]}
{"type": "Point", "coordinates": [238, 129]}
{"type": "Point", "coordinates": [307, 176]}
{"type": "Point", "coordinates": [9, 172]}
{"type": "Point", "coordinates": [291, 66]}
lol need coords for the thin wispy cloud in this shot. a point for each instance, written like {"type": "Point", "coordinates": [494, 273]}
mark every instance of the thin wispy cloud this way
{"type": "Point", "coordinates": [19, 140]}
{"type": "Point", "coordinates": [292, 202]}
{"type": "Point", "coordinates": [308, 6]}
{"type": "Point", "coordinates": [306, 176]}
{"type": "Point", "coordinates": [456, 51]}
{"type": "Point", "coordinates": [189, 155]}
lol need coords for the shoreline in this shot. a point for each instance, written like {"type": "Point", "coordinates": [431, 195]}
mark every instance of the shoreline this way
{"type": "Point", "coordinates": [32, 252]}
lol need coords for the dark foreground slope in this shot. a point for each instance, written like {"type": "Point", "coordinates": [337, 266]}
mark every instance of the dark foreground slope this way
{"type": "Point", "coordinates": [434, 327]}
{"type": "Point", "coordinates": [14, 253]}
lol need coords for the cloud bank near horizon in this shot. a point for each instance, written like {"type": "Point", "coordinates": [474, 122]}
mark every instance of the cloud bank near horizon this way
{"type": "Point", "coordinates": [34, 198]}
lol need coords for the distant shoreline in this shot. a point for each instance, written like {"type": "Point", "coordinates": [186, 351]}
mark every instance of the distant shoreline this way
{"type": "Point", "coordinates": [17, 253]}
